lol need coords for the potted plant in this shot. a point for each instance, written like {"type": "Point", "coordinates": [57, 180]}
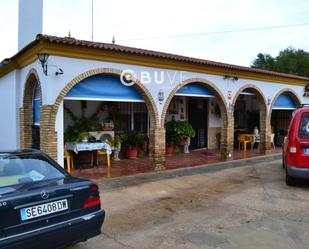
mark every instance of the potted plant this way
{"type": "Point", "coordinates": [83, 136]}
{"type": "Point", "coordinates": [183, 131]}
{"type": "Point", "coordinates": [171, 138]}
{"type": "Point", "coordinates": [132, 142]}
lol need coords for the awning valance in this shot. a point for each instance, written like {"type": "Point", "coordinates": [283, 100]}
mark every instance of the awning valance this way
{"type": "Point", "coordinates": [104, 88]}
{"type": "Point", "coordinates": [247, 92]}
{"type": "Point", "coordinates": [194, 90]}
{"type": "Point", "coordinates": [284, 102]}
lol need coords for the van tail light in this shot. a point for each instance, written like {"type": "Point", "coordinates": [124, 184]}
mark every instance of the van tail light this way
{"type": "Point", "coordinates": [293, 149]}
{"type": "Point", "coordinates": [94, 197]}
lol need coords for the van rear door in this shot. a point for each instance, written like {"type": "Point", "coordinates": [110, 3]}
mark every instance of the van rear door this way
{"type": "Point", "coordinates": [303, 138]}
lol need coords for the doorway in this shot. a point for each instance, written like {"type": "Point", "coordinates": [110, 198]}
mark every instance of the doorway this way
{"type": "Point", "coordinates": [198, 116]}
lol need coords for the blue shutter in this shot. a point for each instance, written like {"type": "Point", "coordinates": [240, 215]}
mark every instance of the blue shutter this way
{"type": "Point", "coordinates": [194, 90]}
{"type": "Point", "coordinates": [284, 102]}
{"type": "Point", "coordinates": [36, 106]}
{"type": "Point", "coordinates": [104, 88]}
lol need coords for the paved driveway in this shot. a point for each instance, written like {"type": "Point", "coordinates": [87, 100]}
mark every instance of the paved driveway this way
{"type": "Point", "coordinates": [249, 207]}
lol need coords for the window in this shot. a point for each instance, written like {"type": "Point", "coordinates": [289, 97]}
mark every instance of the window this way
{"type": "Point", "coordinates": [304, 126]}
{"type": "Point", "coordinates": [20, 169]}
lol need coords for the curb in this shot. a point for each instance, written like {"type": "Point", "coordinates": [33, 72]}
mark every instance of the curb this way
{"type": "Point", "coordinates": [127, 181]}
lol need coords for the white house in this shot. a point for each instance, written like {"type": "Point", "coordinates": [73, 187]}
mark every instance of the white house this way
{"type": "Point", "coordinates": [52, 78]}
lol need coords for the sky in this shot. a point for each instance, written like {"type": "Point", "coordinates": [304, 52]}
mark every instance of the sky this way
{"type": "Point", "coordinates": [131, 21]}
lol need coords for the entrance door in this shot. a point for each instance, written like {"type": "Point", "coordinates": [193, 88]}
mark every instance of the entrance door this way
{"type": "Point", "coordinates": [197, 109]}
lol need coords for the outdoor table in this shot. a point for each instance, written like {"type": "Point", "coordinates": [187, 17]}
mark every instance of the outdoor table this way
{"type": "Point", "coordinates": [93, 147]}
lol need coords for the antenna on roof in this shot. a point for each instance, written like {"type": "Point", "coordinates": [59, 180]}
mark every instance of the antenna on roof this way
{"type": "Point", "coordinates": [92, 21]}
{"type": "Point", "coordinates": [113, 40]}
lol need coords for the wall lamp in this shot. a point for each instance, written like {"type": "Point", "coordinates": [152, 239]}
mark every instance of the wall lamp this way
{"type": "Point", "coordinates": [43, 57]}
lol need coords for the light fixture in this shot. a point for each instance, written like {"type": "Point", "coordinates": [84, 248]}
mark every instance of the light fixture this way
{"type": "Point", "coordinates": [43, 57]}
{"type": "Point", "coordinates": [160, 96]}
{"type": "Point", "coordinates": [268, 100]}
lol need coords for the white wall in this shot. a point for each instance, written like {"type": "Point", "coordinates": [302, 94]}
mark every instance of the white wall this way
{"type": "Point", "coordinates": [8, 112]}
{"type": "Point", "coordinates": [52, 86]}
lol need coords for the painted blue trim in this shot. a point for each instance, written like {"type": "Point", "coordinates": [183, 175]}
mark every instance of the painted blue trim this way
{"type": "Point", "coordinates": [104, 88]}
{"type": "Point", "coordinates": [284, 102]}
{"type": "Point", "coordinates": [195, 90]}
{"type": "Point", "coordinates": [36, 105]}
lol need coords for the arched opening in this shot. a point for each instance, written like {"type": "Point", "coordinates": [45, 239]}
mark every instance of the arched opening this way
{"type": "Point", "coordinates": [199, 103]}
{"type": "Point", "coordinates": [249, 113]}
{"type": "Point", "coordinates": [30, 112]}
{"type": "Point", "coordinates": [282, 108]}
{"type": "Point", "coordinates": [97, 103]}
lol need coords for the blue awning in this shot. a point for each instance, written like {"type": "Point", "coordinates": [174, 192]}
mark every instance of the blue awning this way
{"type": "Point", "coordinates": [194, 90]}
{"type": "Point", "coordinates": [247, 92]}
{"type": "Point", "coordinates": [104, 88]}
{"type": "Point", "coordinates": [284, 102]}
{"type": "Point", "coordinates": [36, 105]}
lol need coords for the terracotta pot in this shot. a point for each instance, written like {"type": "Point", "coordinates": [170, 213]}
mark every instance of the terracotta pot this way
{"type": "Point", "coordinates": [131, 152]}
{"type": "Point", "coordinates": [169, 150]}
{"type": "Point", "coordinates": [183, 142]}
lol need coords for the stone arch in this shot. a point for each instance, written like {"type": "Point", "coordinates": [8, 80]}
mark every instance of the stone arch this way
{"type": "Point", "coordinates": [264, 125]}
{"type": "Point", "coordinates": [222, 104]}
{"type": "Point", "coordinates": [291, 92]}
{"type": "Point", "coordinates": [50, 112]}
{"type": "Point", "coordinates": [26, 111]}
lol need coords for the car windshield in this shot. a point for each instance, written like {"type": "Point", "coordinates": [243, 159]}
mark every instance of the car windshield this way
{"type": "Point", "coordinates": [20, 169]}
{"type": "Point", "coordinates": [304, 126]}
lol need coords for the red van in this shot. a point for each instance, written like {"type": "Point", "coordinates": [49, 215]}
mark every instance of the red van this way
{"type": "Point", "coordinates": [295, 156]}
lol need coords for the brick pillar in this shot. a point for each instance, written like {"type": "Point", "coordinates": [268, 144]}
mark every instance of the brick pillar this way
{"type": "Point", "coordinates": [48, 135]}
{"type": "Point", "coordinates": [227, 138]}
{"type": "Point", "coordinates": [26, 122]}
{"type": "Point", "coordinates": [268, 132]}
{"type": "Point", "coordinates": [264, 132]}
{"type": "Point", "coordinates": [157, 148]}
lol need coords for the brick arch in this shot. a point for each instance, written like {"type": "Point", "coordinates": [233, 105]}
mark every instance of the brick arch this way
{"type": "Point", "coordinates": [26, 111]}
{"type": "Point", "coordinates": [225, 145]}
{"type": "Point", "coordinates": [264, 125]}
{"type": "Point", "coordinates": [215, 90]}
{"type": "Point", "coordinates": [256, 90]}
{"type": "Point", "coordinates": [138, 85]}
{"type": "Point", "coordinates": [291, 92]}
{"type": "Point", "coordinates": [49, 112]}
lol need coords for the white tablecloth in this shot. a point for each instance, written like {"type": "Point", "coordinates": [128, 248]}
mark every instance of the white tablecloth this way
{"type": "Point", "coordinates": [77, 147]}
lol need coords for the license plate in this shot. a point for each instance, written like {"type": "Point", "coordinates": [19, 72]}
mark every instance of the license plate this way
{"type": "Point", "coordinates": [43, 209]}
{"type": "Point", "coordinates": [306, 151]}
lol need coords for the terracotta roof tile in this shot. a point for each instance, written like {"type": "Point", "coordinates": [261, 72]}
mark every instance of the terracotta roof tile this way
{"type": "Point", "coordinates": [151, 53]}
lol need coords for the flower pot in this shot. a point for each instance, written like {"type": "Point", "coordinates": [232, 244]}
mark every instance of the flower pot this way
{"type": "Point", "coordinates": [169, 150]}
{"type": "Point", "coordinates": [131, 152]}
{"type": "Point", "coordinates": [183, 141]}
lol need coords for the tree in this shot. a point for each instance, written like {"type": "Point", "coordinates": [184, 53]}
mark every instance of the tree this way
{"type": "Point", "coordinates": [289, 60]}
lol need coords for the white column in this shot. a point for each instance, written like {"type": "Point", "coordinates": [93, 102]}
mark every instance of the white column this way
{"type": "Point", "coordinates": [60, 132]}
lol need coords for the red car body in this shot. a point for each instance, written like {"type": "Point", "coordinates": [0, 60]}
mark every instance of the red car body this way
{"type": "Point", "coordinates": [296, 147]}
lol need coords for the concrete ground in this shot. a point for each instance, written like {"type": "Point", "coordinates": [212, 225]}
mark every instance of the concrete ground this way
{"type": "Point", "coordinates": [247, 207]}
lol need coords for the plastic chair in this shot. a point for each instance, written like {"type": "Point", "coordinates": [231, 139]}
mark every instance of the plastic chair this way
{"type": "Point", "coordinates": [69, 160]}
{"type": "Point", "coordinates": [102, 153]}
{"type": "Point", "coordinates": [243, 140]}
{"type": "Point", "coordinates": [256, 139]}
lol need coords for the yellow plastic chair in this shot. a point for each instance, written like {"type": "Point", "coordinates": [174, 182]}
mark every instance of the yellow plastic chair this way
{"type": "Point", "coordinates": [102, 153]}
{"type": "Point", "coordinates": [69, 160]}
{"type": "Point", "coordinates": [243, 140]}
